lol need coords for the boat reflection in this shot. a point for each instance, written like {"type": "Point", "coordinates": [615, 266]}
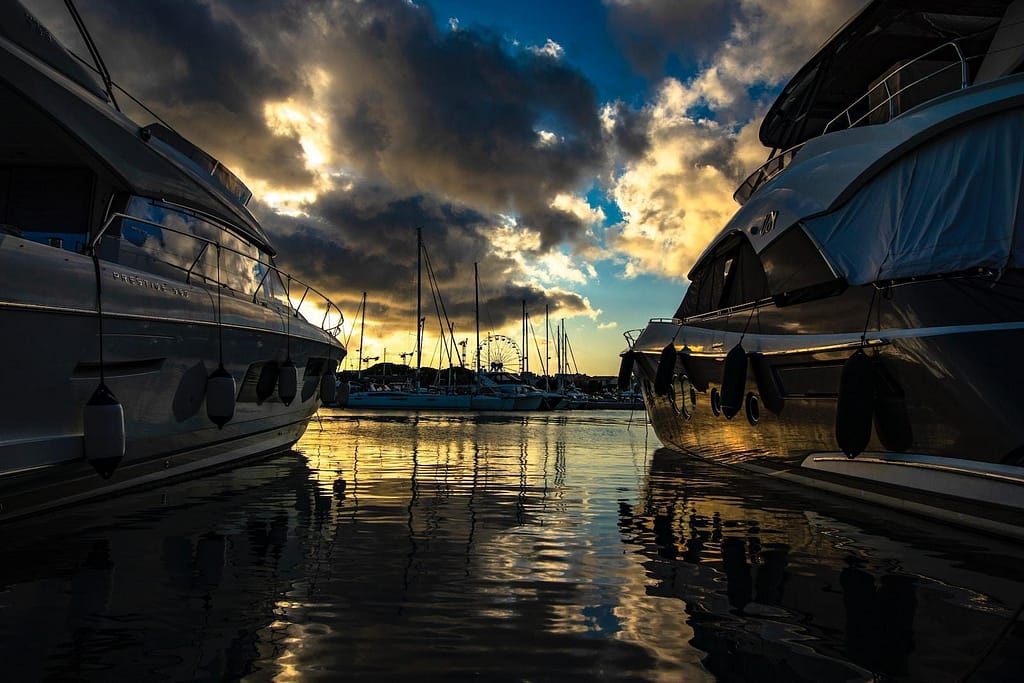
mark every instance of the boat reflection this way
{"type": "Point", "coordinates": [503, 546]}
{"type": "Point", "coordinates": [777, 592]}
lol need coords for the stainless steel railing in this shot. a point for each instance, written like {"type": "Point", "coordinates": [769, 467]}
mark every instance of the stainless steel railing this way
{"type": "Point", "coordinates": [888, 106]}
{"type": "Point", "coordinates": [320, 299]}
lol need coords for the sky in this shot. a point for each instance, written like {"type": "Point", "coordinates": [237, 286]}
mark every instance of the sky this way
{"type": "Point", "coordinates": [582, 152]}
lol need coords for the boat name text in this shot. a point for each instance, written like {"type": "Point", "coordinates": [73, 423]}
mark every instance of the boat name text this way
{"type": "Point", "coordinates": [150, 284]}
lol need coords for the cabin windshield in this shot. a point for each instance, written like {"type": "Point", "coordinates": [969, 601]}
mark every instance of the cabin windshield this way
{"type": "Point", "coordinates": [730, 276]}
{"type": "Point", "coordinates": [177, 243]}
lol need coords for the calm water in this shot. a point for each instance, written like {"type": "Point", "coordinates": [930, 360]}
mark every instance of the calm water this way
{"type": "Point", "coordinates": [548, 546]}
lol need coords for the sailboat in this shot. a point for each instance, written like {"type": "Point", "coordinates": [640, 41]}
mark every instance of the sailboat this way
{"type": "Point", "coordinates": [486, 396]}
{"type": "Point", "coordinates": [416, 397]}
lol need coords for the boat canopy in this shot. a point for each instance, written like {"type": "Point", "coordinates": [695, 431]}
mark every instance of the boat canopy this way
{"type": "Point", "coordinates": [884, 35]}
{"type": "Point", "coordinates": [951, 205]}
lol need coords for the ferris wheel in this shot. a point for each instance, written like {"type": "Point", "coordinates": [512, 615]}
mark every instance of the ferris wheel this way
{"type": "Point", "coordinates": [498, 352]}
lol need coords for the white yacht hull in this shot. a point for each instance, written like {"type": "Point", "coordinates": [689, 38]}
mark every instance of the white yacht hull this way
{"type": "Point", "coordinates": [160, 342]}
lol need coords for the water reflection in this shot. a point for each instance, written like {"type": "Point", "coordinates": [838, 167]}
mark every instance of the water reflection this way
{"type": "Point", "coordinates": [503, 546]}
{"type": "Point", "coordinates": [783, 585]}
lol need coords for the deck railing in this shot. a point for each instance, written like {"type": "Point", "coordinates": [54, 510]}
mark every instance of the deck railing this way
{"type": "Point", "coordinates": [889, 105]}
{"type": "Point", "coordinates": [319, 299]}
{"type": "Point", "coordinates": [861, 111]}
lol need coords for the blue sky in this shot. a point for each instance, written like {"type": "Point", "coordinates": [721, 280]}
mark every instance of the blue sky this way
{"type": "Point", "coordinates": [583, 153]}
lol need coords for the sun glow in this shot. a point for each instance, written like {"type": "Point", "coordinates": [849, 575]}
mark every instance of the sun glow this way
{"type": "Point", "coordinates": [306, 121]}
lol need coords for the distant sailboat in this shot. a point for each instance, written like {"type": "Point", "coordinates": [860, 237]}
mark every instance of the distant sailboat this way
{"type": "Point", "coordinates": [416, 398]}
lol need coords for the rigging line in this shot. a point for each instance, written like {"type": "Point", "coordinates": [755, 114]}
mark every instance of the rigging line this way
{"type": "Point", "coordinates": [568, 345]}
{"type": "Point", "coordinates": [288, 320]}
{"type": "Point", "coordinates": [99, 308]}
{"type": "Point", "coordinates": [747, 325]}
{"type": "Point", "coordinates": [536, 342]}
{"type": "Point", "coordinates": [435, 289]}
{"type": "Point", "coordinates": [867, 319]}
{"type": "Point", "coordinates": [220, 314]}
{"type": "Point", "coordinates": [90, 45]}
{"type": "Point", "coordinates": [352, 331]}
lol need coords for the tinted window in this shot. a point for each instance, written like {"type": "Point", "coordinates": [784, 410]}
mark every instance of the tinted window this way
{"type": "Point", "coordinates": [47, 204]}
{"type": "Point", "coordinates": [165, 241]}
{"type": "Point", "coordinates": [731, 275]}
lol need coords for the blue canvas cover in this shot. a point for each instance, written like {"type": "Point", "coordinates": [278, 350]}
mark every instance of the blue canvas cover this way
{"type": "Point", "coordinates": [950, 205]}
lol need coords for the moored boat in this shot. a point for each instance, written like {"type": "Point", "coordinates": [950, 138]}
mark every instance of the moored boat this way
{"type": "Point", "coordinates": [857, 325]}
{"type": "Point", "coordinates": [147, 331]}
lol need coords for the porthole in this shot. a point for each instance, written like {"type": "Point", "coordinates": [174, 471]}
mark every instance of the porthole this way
{"type": "Point", "coordinates": [716, 402]}
{"type": "Point", "coordinates": [753, 408]}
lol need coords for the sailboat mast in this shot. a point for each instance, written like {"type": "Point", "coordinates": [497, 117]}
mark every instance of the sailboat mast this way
{"type": "Point", "coordinates": [476, 294]}
{"type": "Point", "coordinates": [547, 352]}
{"type": "Point", "coordinates": [565, 356]}
{"type": "Point", "coordinates": [362, 328]}
{"type": "Point", "coordinates": [526, 348]}
{"type": "Point", "coordinates": [419, 285]}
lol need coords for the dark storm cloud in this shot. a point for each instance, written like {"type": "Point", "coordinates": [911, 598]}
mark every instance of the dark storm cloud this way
{"type": "Point", "coordinates": [364, 239]}
{"type": "Point", "coordinates": [445, 130]}
{"type": "Point", "coordinates": [457, 114]}
{"type": "Point", "coordinates": [629, 131]}
{"type": "Point", "coordinates": [650, 32]}
{"type": "Point", "coordinates": [196, 66]}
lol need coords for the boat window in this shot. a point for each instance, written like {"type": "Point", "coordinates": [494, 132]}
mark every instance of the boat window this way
{"type": "Point", "coordinates": [164, 240]}
{"type": "Point", "coordinates": [729, 276]}
{"type": "Point", "coordinates": [47, 204]}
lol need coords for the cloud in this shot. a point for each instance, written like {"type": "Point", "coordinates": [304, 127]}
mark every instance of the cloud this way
{"type": "Point", "coordinates": [549, 49]}
{"type": "Point", "coordinates": [362, 237]}
{"type": "Point", "coordinates": [650, 31]}
{"type": "Point", "coordinates": [356, 122]}
{"type": "Point", "coordinates": [701, 135]}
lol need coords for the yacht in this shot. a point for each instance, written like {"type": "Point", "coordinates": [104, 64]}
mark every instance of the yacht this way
{"type": "Point", "coordinates": [147, 332]}
{"type": "Point", "coordinates": [857, 325]}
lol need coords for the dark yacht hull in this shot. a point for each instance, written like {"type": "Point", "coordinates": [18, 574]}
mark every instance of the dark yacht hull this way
{"type": "Point", "coordinates": [947, 420]}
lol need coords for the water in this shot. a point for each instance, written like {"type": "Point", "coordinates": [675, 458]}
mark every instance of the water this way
{"type": "Point", "coordinates": [543, 546]}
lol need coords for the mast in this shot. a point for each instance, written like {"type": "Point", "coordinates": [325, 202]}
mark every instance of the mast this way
{"type": "Point", "coordinates": [476, 292]}
{"type": "Point", "coordinates": [526, 348]}
{"type": "Point", "coordinates": [564, 360]}
{"type": "Point", "coordinates": [362, 328]}
{"type": "Point", "coordinates": [419, 284]}
{"type": "Point", "coordinates": [547, 352]}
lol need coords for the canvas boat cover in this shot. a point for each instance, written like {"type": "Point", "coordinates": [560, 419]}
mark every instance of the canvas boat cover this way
{"type": "Point", "coordinates": [950, 205]}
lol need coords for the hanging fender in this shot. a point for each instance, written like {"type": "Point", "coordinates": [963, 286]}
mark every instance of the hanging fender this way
{"type": "Point", "coordinates": [267, 381]}
{"type": "Point", "coordinates": [103, 431]}
{"type": "Point", "coordinates": [892, 423]}
{"type": "Point", "coordinates": [343, 392]}
{"type": "Point", "coordinates": [666, 366]}
{"type": "Point", "coordinates": [855, 406]}
{"type": "Point", "coordinates": [328, 388]}
{"type": "Point", "coordinates": [625, 370]}
{"type": "Point", "coordinates": [734, 381]}
{"type": "Point", "coordinates": [220, 396]}
{"type": "Point", "coordinates": [329, 383]}
{"type": "Point", "coordinates": [892, 420]}
{"type": "Point", "coordinates": [287, 382]}
{"type": "Point", "coordinates": [767, 387]}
